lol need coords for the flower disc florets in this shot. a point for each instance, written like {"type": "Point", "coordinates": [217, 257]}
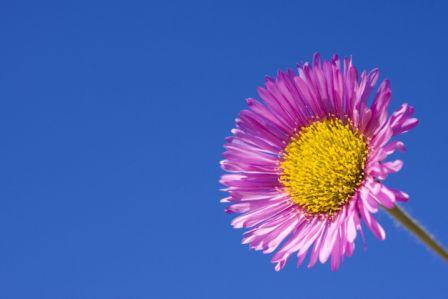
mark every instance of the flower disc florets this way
{"type": "Point", "coordinates": [323, 165]}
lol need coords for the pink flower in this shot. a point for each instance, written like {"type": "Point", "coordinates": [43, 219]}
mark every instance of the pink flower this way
{"type": "Point", "coordinates": [307, 164]}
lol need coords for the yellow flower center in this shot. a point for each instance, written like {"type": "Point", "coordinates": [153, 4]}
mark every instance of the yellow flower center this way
{"type": "Point", "coordinates": [323, 165]}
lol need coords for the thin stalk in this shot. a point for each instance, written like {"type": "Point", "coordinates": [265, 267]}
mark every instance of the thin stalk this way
{"type": "Point", "coordinates": [402, 217]}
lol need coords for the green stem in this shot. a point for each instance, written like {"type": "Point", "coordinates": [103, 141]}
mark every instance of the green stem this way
{"type": "Point", "coordinates": [402, 217]}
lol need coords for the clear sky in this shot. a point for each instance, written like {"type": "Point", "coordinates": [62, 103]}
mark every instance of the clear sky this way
{"type": "Point", "coordinates": [112, 121]}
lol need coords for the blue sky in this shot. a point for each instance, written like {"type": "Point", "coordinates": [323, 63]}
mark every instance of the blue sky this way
{"type": "Point", "coordinates": [112, 121]}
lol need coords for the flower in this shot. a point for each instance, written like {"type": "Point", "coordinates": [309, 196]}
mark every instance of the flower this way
{"type": "Point", "coordinates": [307, 164]}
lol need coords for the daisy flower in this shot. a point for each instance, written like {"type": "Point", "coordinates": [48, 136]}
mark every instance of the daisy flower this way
{"type": "Point", "coordinates": [306, 165]}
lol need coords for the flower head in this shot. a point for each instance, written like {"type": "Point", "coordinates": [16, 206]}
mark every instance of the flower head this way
{"type": "Point", "coordinates": [306, 165]}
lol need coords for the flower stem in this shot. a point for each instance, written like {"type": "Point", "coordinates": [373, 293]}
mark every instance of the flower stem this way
{"type": "Point", "coordinates": [402, 217]}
